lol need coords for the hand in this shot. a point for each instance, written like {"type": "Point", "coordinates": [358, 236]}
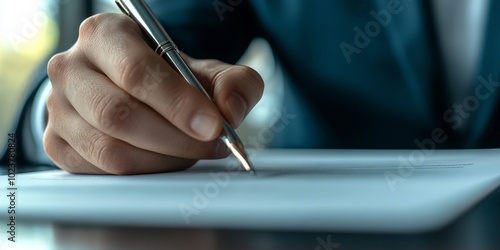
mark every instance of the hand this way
{"type": "Point", "coordinates": [116, 107]}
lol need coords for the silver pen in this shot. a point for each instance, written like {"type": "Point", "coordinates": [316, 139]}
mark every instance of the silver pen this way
{"type": "Point", "coordinates": [140, 12]}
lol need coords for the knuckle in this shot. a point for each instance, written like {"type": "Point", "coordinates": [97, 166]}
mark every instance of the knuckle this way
{"type": "Point", "coordinates": [110, 112]}
{"type": "Point", "coordinates": [178, 105]}
{"type": "Point", "coordinates": [89, 26]}
{"type": "Point", "coordinates": [54, 146]}
{"type": "Point", "coordinates": [94, 25]}
{"type": "Point", "coordinates": [102, 23]}
{"type": "Point", "coordinates": [72, 163]}
{"type": "Point", "coordinates": [110, 155]}
{"type": "Point", "coordinates": [57, 67]}
{"type": "Point", "coordinates": [213, 67]}
{"type": "Point", "coordinates": [133, 71]}
{"type": "Point", "coordinates": [104, 150]}
{"type": "Point", "coordinates": [51, 104]}
{"type": "Point", "coordinates": [55, 112]}
{"type": "Point", "coordinates": [50, 144]}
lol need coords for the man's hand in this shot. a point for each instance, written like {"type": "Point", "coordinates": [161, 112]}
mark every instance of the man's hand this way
{"type": "Point", "coordinates": [117, 107]}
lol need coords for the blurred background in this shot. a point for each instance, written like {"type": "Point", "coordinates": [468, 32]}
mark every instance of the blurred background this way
{"type": "Point", "coordinates": [28, 34]}
{"type": "Point", "coordinates": [33, 30]}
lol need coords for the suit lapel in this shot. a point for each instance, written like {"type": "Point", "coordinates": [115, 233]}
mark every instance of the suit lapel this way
{"type": "Point", "coordinates": [414, 47]}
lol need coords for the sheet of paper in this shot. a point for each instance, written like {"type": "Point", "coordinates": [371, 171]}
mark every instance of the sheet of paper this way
{"type": "Point", "coordinates": [341, 190]}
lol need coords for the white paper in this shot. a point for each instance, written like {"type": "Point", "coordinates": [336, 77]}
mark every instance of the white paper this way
{"type": "Point", "coordinates": [335, 190]}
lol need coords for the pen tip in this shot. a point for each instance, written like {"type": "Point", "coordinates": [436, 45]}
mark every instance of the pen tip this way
{"type": "Point", "coordinates": [247, 165]}
{"type": "Point", "coordinates": [239, 152]}
{"type": "Point", "coordinates": [245, 162]}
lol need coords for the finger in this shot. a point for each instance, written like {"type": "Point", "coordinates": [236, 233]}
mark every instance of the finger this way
{"type": "Point", "coordinates": [110, 154]}
{"type": "Point", "coordinates": [235, 89]}
{"type": "Point", "coordinates": [65, 157]}
{"type": "Point", "coordinates": [113, 111]}
{"type": "Point", "coordinates": [132, 65]}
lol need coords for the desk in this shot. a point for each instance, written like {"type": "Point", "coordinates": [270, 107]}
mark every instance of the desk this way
{"type": "Point", "coordinates": [476, 229]}
{"type": "Point", "coordinates": [479, 229]}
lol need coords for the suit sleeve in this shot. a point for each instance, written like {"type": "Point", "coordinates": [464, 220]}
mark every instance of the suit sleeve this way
{"type": "Point", "coordinates": [31, 123]}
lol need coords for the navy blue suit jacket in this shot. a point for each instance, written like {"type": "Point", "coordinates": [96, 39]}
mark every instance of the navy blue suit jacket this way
{"type": "Point", "coordinates": [356, 78]}
{"type": "Point", "coordinates": [360, 73]}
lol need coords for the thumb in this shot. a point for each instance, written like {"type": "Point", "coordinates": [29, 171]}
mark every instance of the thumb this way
{"type": "Point", "coordinates": [235, 88]}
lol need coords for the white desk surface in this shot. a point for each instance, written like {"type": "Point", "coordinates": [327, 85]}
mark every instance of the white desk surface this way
{"type": "Point", "coordinates": [334, 190]}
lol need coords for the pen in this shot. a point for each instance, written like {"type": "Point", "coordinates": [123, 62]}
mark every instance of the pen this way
{"type": "Point", "coordinates": [140, 12]}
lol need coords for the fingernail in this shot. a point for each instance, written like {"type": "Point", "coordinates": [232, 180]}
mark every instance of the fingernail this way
{"type": "Point", "coordinates": [204, 125]}
{"type": "Point", "coordinates": [238, 108]}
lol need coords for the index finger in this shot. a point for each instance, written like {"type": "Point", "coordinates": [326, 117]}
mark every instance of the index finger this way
{"type": "Point", "coordinates": [115, 45]}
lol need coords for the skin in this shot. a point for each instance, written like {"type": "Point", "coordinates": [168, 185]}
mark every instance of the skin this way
{"type": "Point", "coordinates": [116, 107]}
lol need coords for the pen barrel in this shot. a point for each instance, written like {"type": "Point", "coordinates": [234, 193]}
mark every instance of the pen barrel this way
{"type": "Point", "coordinates": [175, 58]}
{"type": "Point", "coordinates": [180, 65]}
{"type": "Point", "coordinates": [140, 12]}
{"type": "Point", "coordinates": [165, 47]}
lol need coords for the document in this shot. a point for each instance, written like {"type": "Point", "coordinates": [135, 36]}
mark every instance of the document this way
{"type": "Point", "coordinates": [331, 190]}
